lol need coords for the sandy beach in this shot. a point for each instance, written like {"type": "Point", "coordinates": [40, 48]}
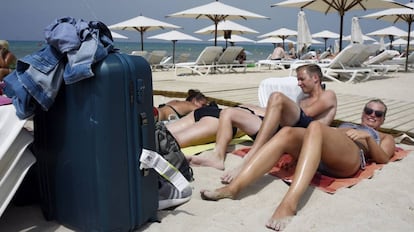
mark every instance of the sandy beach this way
{"type": "Point", "coordinates": [383, 203]}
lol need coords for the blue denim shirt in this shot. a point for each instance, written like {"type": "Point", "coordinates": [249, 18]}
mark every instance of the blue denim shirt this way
{"type": "Point", "coordinates": [73, 47]}
{"type": "Point", "coordinates": [37, 77]}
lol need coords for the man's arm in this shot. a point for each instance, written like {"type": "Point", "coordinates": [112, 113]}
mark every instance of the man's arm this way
{"type": "Point", "coordinates": [324, 109]}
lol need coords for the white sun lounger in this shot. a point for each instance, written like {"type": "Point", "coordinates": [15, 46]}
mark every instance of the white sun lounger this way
{"type": "Point", "coordinates": [347, 63]}
{"type": "Point", "coordinates": [401, 61]}
{"type": "Point", "coordinates": [274, 64]}
{"type": "Point", "coordinates": [15, 158]}
{"type": "Point", "coordinates": [204, 62]}
{"type": "Point", "coordinates": [227, 60]}
{"type": "Point", "coordinates": [155, 58]}
{"type": "Point", "coordinates": [378, 62]}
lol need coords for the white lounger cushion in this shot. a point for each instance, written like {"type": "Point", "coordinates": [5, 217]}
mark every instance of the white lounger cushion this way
{"type": "Point", "coordinates": [15, 158]}
{"type": "Point", "coordinates": [287, 85]}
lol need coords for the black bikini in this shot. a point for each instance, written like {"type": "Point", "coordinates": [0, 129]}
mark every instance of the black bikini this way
{"type": "Point", "coordinates": [173, 109]}
{"type": "Point", "coordinates": [210, 111]}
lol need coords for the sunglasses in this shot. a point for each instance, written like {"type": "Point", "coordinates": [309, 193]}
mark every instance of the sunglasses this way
{"type": "Point", "coordinates": [369, 111]}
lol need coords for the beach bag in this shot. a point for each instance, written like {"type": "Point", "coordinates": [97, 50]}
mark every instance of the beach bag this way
{"type": "Point", "coordinates": [168, 147]}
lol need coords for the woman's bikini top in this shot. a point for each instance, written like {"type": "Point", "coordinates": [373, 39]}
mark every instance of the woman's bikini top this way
{"type": "Point", "coordinates": [173, 109]}
{"type": "Point", "coordinates": [373, 133]}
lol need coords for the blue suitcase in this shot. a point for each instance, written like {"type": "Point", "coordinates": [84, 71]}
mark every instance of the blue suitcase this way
{"type": "Point", "coordinates": [88, 147]}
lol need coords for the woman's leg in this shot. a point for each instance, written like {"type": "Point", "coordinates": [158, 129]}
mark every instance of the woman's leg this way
{"type": "Point", "coordinates": [288, 140]}
{"type": "Point", "coordinates": [229, 118]}
{"type": "Point", "coordinates": [321, 143]}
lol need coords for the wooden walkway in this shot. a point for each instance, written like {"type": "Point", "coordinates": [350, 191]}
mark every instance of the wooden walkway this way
{"type": "Point", "coordinates": [400, 115]}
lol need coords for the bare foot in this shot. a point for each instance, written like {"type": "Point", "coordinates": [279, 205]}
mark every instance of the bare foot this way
{"type": "Point", "coordinates": [214, 195]}
{"type": "Point", "coordinates": [280, 218]}
{"type": "Point", "coordinates": [208, 159]}
{"type": "Point", "coordinates": [278, 224]}
{"type": "Point", "coordinates": [228, 177]}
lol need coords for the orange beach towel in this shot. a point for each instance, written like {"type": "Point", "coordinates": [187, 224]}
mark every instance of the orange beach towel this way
{"type": "Point", "coordinates": [285, 168]}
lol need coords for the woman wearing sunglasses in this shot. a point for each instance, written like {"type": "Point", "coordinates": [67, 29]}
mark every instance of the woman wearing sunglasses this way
{"type": "Point", "coordinates": [337, 152]}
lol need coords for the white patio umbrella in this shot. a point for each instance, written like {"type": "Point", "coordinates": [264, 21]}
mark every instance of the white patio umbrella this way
{"type": "Point", "coordinates": [356, 32]}
{"type": "Point", "coordinates": [325, 35]}
{"type": "Point", "coordinates": [275, 40]}
{"type": "Point", "coordinates": [391, 32]}
{"type": "Point", "coordinates": [174, 36]}
{"type": "Point", "coordinates": [314, 41]}
{"type": "Point", "coordinates": [364, 37]}
{"type": "Point", "coordinates": [399, 41]}
{"type": "Point", "coordinates": [117, 35]}
{"type": "Point", "coordinates": [339, 6]}
{"type": "Point", "coordinates": [282, 33]}
{"type": "Point", "coordinates": [217, 12]}
{"type": "Point", "coordinates": [234, 39]}
{"type": "Point", "coordinates": [398, 15]}
{"type": "Point", "coordinates": [304, 37]}
{"type": "Point", "coordinates": [142, 24]}
{"type": "Point", "coordinates": [226, 28]}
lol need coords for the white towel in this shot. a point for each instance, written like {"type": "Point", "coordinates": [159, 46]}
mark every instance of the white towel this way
{"type": "Point", "coordinates": [286, 85]}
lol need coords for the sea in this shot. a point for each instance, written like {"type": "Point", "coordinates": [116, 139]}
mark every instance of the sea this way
{"type": "Point", "coordinates": [254, 51]}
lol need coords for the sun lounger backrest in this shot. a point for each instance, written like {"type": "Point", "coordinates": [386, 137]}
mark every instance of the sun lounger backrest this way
{"type": "Point", "coordinates": [383, 56]}
{"type": "Point", "coordinates": [324, 55]}
{"type": "Point", "coordinates": [209, 55]}
{"type": "Point", "coordinates": [308, 55]}
{"type": "Point", "coordinates": [156, 56]}
{"type": "Point", "coordinates": [362, 53]}
{"type": "Point", "coordinates": [183, 57]}
{"type": "Point", "coordinates": [229, 55]}
{"type": "Point", "coordinates": [343, 57]}
{"type": "Point", "coordinates": [411, 57]}
{"type": "Point", "coordinates": [140, 53]}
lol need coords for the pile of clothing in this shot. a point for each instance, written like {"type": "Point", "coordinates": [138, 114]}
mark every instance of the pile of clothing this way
{"type": "Point", "coordinates": [73, 46]}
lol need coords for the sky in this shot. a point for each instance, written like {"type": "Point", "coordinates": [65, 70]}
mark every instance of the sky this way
{"type": "Point", "coordinates": [26, 19]}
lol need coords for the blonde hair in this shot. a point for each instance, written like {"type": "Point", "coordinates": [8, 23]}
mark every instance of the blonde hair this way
{"type": "Point", "coordinates": [4, 44]}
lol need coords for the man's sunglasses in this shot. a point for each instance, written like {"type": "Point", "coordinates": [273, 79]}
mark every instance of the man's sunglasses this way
{"type": "Point", "coordinates": [369, 111]}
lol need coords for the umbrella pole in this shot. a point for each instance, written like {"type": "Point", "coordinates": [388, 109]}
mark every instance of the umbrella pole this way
{"type": "Point", "coordinates": [142, 41]}
{"type": "Point", "coordinates": [215, 33]}
{"type": "Point", "coordinates": [408, 46]}
{"type": "Point", "coordinates": [341, 31]}
{"type": "Point", "coordinates": [325, 42]}
{"type": "Point", "coordinates": [174, 51]}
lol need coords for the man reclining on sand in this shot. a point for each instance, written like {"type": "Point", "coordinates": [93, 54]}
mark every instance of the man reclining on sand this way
{"type": "Point", "coordinates": [319, 104]}
{"type": "Point", "coordinates": [337, 152]}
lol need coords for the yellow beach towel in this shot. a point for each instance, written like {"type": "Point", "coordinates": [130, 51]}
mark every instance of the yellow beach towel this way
{"type": "Point", "coordinates": [192, 150]}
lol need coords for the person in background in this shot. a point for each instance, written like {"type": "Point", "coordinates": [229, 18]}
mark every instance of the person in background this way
{"type": "Point", "coordinates": [177, 109]}
{"type": "Point", "coordinates": [241, 57]}
{"type": "Point", "coordinates": [291, 51]}
{"type": "Point", "coordinates": [7, 60]}
{"type": "Point", "coordinates": [338, 152]}
{"type": "Point", "coordinates": [278, 52]}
